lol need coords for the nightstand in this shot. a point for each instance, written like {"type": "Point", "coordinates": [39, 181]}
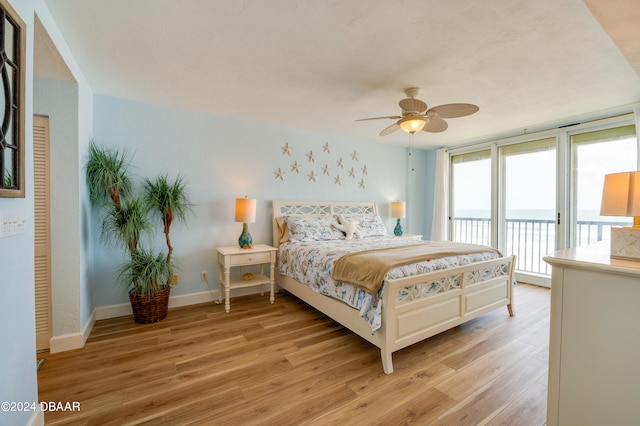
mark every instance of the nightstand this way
{"type": "Point", "coordinates": [228, 257]}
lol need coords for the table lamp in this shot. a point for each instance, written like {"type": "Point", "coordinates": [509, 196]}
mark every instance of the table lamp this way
{"type": "Point", "coordinates": [621, 197]}
{"type": "Point", "coordinates": [398, 210]}
{"type": "Point", "coordinates": [245, 213]}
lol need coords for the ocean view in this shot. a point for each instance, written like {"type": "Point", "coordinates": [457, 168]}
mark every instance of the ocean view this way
{"type": "Point", "coordinates": [530, 234]}
{"type": "Point", "coordinates": [542, 214]}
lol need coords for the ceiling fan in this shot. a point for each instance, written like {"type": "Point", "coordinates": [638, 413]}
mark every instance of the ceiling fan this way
{"type": "Point", "coordinates": [415, 115]}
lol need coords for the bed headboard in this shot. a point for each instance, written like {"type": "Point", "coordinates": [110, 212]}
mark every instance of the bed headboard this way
{"type": "Point", "coordinates": [317, 208]}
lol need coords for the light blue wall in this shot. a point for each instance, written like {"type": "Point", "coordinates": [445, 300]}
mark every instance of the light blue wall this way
{"type": "Point", "coordinates": [69, 106]}
{"type": "Point", "coordinates": [72, 126]}
{"type": "Point", "coordinates": [428, 182]}
{"type": "Point", "coordinates": [419, 197]}
{"type": "Point", "coordinates": [17, 322]}
{"type": "Point", "coordinates": [18, 378]}
{"type": "Point", "coordinates": [59, 101]}
{"type": "Point", "coordinates": [224, 158]}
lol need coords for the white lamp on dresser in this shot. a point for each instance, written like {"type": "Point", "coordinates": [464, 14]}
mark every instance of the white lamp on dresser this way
{"type": "Point", "coordinates": [621, 197]}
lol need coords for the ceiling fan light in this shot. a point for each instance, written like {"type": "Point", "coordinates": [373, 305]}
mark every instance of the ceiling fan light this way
{"type": "Point", "coordinates": [412, 124]}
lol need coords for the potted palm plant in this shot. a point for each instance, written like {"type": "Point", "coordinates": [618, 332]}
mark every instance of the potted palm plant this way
{"type": "Point", "coordinates": [126, 222]}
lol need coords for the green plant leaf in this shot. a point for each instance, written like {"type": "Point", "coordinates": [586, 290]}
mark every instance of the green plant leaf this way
{"type": "Point", "coordinates": [170, 201]}
{"type": "Point", "coordinates": [106, 171]}
{"type": "Point", "coordinates": [146, 273]}
{"type": "Point", "coordinates": [127, 224]}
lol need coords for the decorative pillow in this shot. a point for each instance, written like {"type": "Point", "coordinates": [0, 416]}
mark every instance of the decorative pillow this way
{"type": "Point", "coordinates": [349, 228]}
{"type": "Point", "coordinates": [312, 228]}
{"type": "Point", "coordinates": [370, 225]}
{"type": "Point", "coordinates": [283, 231]}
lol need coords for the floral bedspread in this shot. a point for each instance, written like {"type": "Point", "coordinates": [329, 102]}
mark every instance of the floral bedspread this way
{"type": "Point", "coordinates": [311, 263]}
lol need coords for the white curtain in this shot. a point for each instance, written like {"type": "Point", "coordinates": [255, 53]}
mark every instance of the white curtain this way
{"type": "Point", "coordinates": [439, 228]}
{"type": "Point", "coordinates": [636, 113]}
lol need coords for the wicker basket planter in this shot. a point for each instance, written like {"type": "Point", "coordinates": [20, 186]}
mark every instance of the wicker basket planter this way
{"type": "Point", "coordinates": [150, 309]}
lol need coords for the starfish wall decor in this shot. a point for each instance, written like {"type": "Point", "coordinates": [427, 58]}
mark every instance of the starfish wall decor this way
{"type": "Point", "coordinates": [306, 166]}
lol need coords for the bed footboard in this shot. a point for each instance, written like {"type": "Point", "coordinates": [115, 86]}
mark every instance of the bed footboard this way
{"type": "Point", "coordinates": [418, 307]}
{"type": "Point", "coordinates": [421, 306]}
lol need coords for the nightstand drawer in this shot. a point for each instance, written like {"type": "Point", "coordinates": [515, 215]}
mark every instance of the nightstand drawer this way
{"type": "Point", "coordinates": [250, 258]}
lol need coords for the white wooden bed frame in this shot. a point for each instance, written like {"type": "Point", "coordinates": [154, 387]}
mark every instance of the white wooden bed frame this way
{"type": "Point", "coordinates": [405, 321]}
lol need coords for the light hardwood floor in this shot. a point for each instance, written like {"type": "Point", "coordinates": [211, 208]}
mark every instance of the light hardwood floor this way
{"type": "Point", "coordinates": [288, 364]}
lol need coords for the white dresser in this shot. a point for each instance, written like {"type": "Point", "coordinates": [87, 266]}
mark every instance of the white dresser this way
{"type": "Point", "coordinates": [594, 348]}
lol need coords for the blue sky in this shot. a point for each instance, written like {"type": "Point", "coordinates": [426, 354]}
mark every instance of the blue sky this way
{"type": "Point", "coordinates": [531, 177]}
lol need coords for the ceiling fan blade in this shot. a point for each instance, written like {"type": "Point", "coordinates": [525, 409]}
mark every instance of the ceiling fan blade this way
{"type": "Point", "coordinates": [413, 105]}
{"type": "Point", "coordinates": [454, 110]}
{"type": "Point", "coordinates": [435, 125]}
{"type": "Point", "coordinates": [395, 117]}
{"type": "Point", "coordinates": [390, 129]}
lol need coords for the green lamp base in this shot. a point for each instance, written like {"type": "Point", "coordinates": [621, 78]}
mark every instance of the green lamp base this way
{"type": "Point", "coordinates": [245, 240]}
{"type": "Point", "coordinates": [398, 229]}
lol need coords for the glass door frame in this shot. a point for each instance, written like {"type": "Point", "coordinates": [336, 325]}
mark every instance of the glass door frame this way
{"type": "Point", "coordinates": [564, 226]}
{"type": "Point", "coordinates": [525, 276]}
{"type": "Point", "coordinates": [569, 163]}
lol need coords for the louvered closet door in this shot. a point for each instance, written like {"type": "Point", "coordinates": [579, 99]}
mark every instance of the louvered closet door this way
{"type": "Point", "coordinates": [42, 244]}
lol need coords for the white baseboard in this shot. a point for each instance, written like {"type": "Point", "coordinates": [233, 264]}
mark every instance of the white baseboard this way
{"type": "Point", "coordinates": [112, 311]}
{"type": "Point", "coordinates": [542, 281]}
{"type": "Point", "coordinates": [66, 342]}
{"type": "Point", "coordinates": [69, 342]}
{"type": "Point", "coordinates": [124, 309]}
{"type": "Point", "coordinates": [192, 299]}
{"type": "Point", "coordinates": [86, 331]}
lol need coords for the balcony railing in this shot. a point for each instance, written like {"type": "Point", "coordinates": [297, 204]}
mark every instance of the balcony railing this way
{"type": "Point", "coordinates": [529, 239]}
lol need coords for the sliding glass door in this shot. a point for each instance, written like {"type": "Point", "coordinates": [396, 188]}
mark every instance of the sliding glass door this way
{"type": "Point", "coordinates": [595, 154]}
{"type": "Point", "coordinates": [530, 197]}
{"type": "Point", "coordinates": [471, 198]}
{"type": "Point", "coordinates": [529, 203]}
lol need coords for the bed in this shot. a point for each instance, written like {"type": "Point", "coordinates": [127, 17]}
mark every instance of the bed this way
{"type": "Point", "coordinates": [411, 308]}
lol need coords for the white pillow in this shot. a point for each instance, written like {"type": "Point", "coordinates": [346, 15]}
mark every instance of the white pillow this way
{"type": "Point", "coordinates": [370, 225]}
{"type": "Point", "coordinates": [312, 228]}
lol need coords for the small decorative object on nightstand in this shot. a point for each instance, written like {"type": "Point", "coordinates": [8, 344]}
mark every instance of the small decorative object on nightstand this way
{"type": "Point", "coordinates": [245, 213]}
{"type": "Point", "coordinates": [621, 197]}
{"type": "Point", "coordinates": [229, 257]}
{"type": "Point", "coordinates": [398, 210]}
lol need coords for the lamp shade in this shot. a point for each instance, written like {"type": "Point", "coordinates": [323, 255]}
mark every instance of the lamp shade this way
{"type": "Point", "coordinates": [621, 194]}
{"type": "Point", "coordinates": [245, 210]}
{"type": "Point", "coordinates": [398, 209]}
{"type": "Point", "coordinates": [412, 124]}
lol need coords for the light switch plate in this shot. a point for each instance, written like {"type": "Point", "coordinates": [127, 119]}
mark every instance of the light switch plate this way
{"type": "Point", "coordinates": [12, 223]}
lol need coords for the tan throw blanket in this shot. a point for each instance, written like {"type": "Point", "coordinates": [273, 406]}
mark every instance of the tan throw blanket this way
{"type": "Point", "coordinates": [368, 268]}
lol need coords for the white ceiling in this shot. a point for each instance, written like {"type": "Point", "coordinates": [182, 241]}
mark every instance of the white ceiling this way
{"type": "Point", "coordinates": [321, 64]}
